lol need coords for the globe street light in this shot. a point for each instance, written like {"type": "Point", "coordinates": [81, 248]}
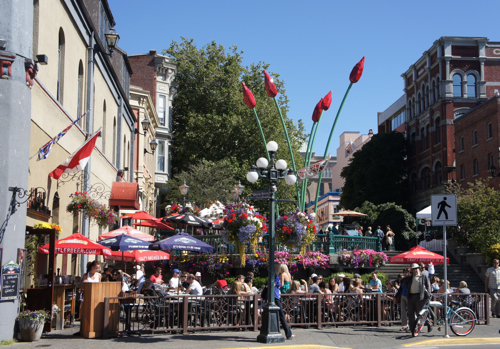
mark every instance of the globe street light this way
{"type": "Point", "coordinates": [270, 330]}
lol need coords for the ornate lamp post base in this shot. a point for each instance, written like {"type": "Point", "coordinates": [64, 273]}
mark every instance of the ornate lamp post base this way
{"type": "Point", "coordinates": [270, 329]}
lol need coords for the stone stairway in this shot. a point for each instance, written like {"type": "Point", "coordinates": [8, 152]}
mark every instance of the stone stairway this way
{"type": "Point", "coordinates": [456, 272]}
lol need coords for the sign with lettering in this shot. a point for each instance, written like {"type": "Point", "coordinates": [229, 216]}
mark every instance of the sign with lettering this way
{"type": "Point", "coordinates": [10, 281]}
{"type": "Point", "coordinates": [261, 194]}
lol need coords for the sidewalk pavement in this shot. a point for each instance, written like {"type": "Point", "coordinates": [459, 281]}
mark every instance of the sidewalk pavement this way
{"type": "Point", "coordinates": [355, 337]}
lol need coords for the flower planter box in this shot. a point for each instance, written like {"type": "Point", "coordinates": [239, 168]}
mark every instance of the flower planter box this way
{"type": "Point", "coordinates": [30, 330]}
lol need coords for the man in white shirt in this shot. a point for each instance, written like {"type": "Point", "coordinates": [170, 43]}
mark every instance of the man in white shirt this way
{"type": "Point", "coordinates": [195, 287]}
{"type": "Point", "coordinates": [174, 281]}
{"type": "Point", "coordinates": [492, 285]}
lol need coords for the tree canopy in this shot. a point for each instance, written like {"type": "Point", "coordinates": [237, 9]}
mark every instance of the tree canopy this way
{"type": "Point", "coordinates": [211, 122]}
{"type": "Point", "coordinates": [478, 215]}
{"type": "Point", "coordinates": [401, 222]}
{"type": "Point", "coordinates": [376, 172]}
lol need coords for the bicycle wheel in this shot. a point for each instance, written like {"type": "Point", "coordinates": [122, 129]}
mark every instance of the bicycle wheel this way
{"type": "Point", "coordinates": [420, 323]}
{"type": "Point", "coordinates": [463, 322]}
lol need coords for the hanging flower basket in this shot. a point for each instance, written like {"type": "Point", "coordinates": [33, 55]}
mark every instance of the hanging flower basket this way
{"type": "Point", "coordinates": [243, 225]}
{"type": "Point", "coordinates": [295, 230]}
{"type": "Point", "coordinates": [100, 214]}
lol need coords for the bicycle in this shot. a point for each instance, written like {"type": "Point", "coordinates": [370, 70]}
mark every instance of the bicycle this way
{"type": "Point", "coordinates": [461, 320]}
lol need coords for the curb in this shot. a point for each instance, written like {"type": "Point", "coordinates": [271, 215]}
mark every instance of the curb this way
{"type": "Point", "coordinates": [453, 341]}
{"type": "Point", "coordinates": [300, 346]}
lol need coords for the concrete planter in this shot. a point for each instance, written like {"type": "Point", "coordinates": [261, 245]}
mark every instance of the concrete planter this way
{"type": "Point", "coordinates": [31, 330]}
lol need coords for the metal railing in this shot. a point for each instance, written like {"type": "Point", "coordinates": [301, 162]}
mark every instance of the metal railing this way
{"type": "Point", "coordinates": [222, 312]}
{"type": "Point", "coordinates": [324, 243]}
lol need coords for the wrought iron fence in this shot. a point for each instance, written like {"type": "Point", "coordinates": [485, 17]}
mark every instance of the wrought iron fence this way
{"type": "Point", "coordinates": [324, 243]}
{"type": "Point", "coordinates": [187, 313]}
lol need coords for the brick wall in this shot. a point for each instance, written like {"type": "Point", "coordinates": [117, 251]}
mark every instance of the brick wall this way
{"type": "Point", "coordinates": [144, 73]}
{"type": "Point", "coordinates": [478, 119]}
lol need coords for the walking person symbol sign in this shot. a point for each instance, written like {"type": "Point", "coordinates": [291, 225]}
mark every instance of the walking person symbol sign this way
{"type": "Point", "coordinates": [444, 209]}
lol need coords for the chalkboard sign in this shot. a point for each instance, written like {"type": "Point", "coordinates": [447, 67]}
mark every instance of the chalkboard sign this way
{"type": "Point", "coordinates": [10, 281]}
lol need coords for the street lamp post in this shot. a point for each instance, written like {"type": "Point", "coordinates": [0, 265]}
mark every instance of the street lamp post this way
{"type": "Point", "coordinates": [184, 190]}
{"type": "Point", "coordinates": [270, 330]}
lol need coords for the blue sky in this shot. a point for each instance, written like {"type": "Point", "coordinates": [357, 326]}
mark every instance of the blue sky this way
{"type": "Point", "coordinates": [314, 45]}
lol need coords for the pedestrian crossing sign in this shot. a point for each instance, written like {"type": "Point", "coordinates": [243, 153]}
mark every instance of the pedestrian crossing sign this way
{"type": "Point", "coordinates": [444, 209]}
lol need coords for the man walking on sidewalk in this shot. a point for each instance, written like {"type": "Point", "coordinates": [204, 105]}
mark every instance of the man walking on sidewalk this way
{"type": "Point", "coordinates": [492, 285]}
{"type": "Point", "coordinates": [418, 284]}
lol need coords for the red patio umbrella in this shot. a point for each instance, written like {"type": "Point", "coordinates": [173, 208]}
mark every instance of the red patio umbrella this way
{"type": "Point", "coordinates": [139, 215]}
{"type": "Point", "coordinates": [154, 223]}
{"type": "Point", "coordinates": [77, 244]}
{"type": "Point", "coordinates": [418, 254]}
{"type": "Point", "coordinates": [127, 230]}
{"type": "Point", "coordinates": [138, 255]}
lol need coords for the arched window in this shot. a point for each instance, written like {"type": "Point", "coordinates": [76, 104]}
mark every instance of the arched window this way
{"type": "Point", "coordinates": [432, 95]}
{"type": "Point", "coordinates": [124, 150]}
{"type": "Point", "coordinates": [420, 104]}
{"type": "Point", "coordinates": [437, 123]}
{"type": "Point", "coordinates": [422, 139]}
{"type": "Point", "coordinates": [457, 85]}
{"type": "Point", "coordinates": [413, 144]}
{"type": "Point", "coordinates": [114, 141]}
{"type": "Point", "coordinates": [80, 93]}
{"type": "Point", "coordinates": [414, 107]}
{"type": "Point", "coordinates": [426, 96]}
{"type": "Point", "coordinates": [438, 173]}
{"type": "Point", "coordinates": [436, 90]}
{"type": "Point", "coordinates": [103, 135]}
{"type": "Point", "coordinates": [410, 110]}
{"type": "Point", "coordinates": [475, 165]}
{"type": "Point", "coordinates": [60, 66]}
{"type": "Point", "coordinates": [471, 86]}
{"type": "Point", "coordinates": [425, 178]}
{"type": "Point", "coordinates": [427, 137]}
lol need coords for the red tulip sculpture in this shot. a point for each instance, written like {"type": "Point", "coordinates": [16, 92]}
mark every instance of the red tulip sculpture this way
{"type": "Point", "coordinates": [250, 102]}
{"type": "Point", "coordinates": [354, 77]}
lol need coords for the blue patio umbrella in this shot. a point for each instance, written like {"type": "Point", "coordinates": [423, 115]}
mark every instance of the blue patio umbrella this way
{"type": "Point", "coordinates": [125, 243]}
{"type": "Point", "coordinates": [182, 242]}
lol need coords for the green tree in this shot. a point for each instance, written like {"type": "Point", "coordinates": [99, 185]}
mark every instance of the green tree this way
{"type": "Point", "coordinates": [401, 222]}
{"type": "Point", "coordinates": [208, 182]}
{"type": "Point", "coordinates": [376, 172]}
{"type": "Point", "coordinates": [211, 122]}
{"type": "Point", "coordinates": [478, 215]}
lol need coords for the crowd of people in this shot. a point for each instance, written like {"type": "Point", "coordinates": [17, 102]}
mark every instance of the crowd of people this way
{"type": "Point", "coordinates": [409, 291]}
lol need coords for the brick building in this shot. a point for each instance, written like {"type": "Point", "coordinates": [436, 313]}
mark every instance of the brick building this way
{"type": "Point", "coordinates": [155, 74]}
{"type": "Point", "coordinates": [477, 143]}
{"type": "Point", "coordinates": [454, 76]}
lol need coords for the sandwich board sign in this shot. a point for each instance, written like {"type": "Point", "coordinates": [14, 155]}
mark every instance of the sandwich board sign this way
{"type": "Point", "coordinates": [444, 209]}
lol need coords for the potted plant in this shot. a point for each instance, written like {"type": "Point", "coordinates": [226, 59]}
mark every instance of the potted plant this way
{"type": "Point", "coordinates": [31, 324]}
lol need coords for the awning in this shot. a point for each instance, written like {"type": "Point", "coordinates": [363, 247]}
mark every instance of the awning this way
{"type": "Point", "coordinates": [125, 195]}
{"type": "Point", "coordinates": [425, 213]}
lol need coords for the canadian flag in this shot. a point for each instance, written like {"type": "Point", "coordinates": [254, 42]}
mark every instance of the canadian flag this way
{"type": "Point", "coordinates": [78, 160]}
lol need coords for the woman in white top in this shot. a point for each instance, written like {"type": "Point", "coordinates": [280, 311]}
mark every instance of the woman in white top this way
{"type": "Point", "coordinates": [92, 274]}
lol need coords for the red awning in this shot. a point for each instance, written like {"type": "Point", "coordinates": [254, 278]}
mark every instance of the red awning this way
{"type": "Point", "coordinates": [125, 195]}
